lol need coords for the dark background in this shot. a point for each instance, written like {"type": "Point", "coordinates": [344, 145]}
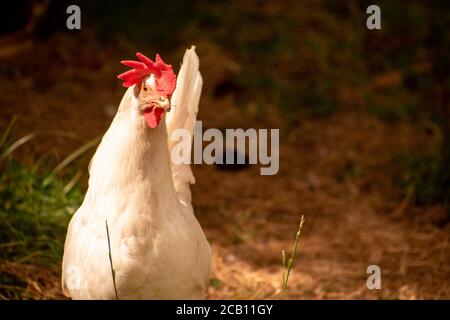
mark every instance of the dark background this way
{"type": "Point", "coordinates": [364, 137]}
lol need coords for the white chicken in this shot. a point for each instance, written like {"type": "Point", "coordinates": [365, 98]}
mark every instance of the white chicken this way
{"type": "Point", "coordinates": [158, 249]}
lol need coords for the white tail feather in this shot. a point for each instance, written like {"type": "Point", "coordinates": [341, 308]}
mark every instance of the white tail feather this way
{"type": "Point", "coordinates": [185, 101]}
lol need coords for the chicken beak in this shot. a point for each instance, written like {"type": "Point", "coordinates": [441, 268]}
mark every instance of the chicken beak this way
{"type": "Point", "coordinates": [164, 103]}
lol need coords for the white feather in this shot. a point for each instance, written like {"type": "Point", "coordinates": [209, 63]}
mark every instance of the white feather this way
{"type": "Point", "coordinates": [185, 100]}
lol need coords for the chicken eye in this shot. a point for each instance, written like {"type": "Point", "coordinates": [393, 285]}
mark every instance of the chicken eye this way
{"type": "Point", "coordinates": [145, 88]}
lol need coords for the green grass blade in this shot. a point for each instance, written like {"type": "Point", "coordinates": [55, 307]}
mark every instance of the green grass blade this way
{"type": "Point", "coordinates": [72, 182]}
{"type": "Point", "coordinates": [7, 131]}
{"type": "Point", "coordinates": [17, 144]}
{"type": "Point", "coordinates": [77, 153]}
{"type": "Point", "coordinates": [286, 273]}
{"type": "Point", "coordinates": [113, 272]}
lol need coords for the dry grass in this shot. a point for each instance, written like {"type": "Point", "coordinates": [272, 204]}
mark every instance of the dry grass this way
{"type": "Point", "coordinates": [30, 281]}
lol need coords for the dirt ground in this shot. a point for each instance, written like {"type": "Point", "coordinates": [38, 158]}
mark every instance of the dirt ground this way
{"type": "Point", "coordinates": [352, 220]}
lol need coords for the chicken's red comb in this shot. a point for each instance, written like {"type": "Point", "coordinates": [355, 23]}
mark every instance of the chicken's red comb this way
{"type": "Point", "coordinates": [165, 77]}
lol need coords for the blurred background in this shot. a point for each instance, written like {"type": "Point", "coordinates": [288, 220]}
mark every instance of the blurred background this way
{"type": "Point", "coordinates": [364, 137]}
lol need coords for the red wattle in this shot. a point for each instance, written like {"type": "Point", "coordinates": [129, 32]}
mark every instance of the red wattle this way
{"type": "Point", "coordinates": [153, 116]}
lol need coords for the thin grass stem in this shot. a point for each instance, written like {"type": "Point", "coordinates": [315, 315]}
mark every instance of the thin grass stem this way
{"type": "Point", "coordinates": [287, 270]}
{"type": "Point", "coordinates": [113, 272]}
